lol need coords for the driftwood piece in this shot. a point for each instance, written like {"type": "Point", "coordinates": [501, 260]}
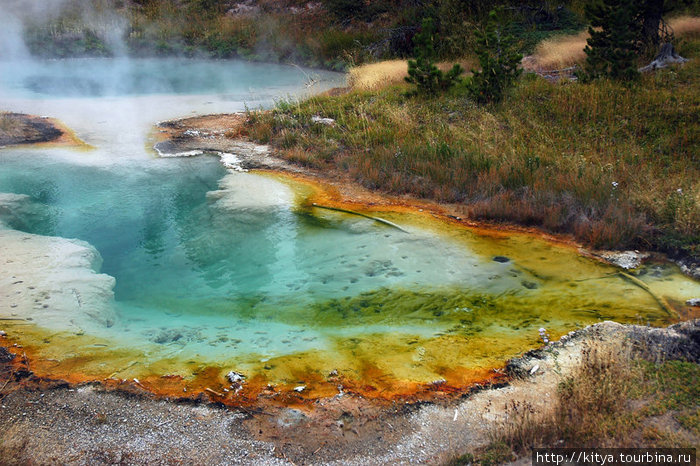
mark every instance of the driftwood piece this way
{"type": "Point", "coordinates": [352, 212]}
{"type": "Point", "coordinates": [659, 299]}
{"type": "Point", "coordinates": [667, 56]}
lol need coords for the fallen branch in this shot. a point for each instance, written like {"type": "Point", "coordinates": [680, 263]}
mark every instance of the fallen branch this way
{"type": "Point", "coordinates": [662, 302]}
{"type": "Point", "coordinates": [376, 219]}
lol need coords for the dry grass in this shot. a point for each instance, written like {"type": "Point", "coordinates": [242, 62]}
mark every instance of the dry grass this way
{"type": "Point", "coordinates": [377, 75]}
{"type": "Point", "coordinates": [615, 397]}
{"type": "Point", "coordinates": [380, 75]}
{"type": "Point", "coordinates": [564, 51]}
{"type": "Point", "coordinates": [560, 51]}
{"type": "Point", "coordinates": [14, 128]}
{"type": "Point", "coordinates": [686, 27]}
{"type": "Point", "coordinates": [590, 407]}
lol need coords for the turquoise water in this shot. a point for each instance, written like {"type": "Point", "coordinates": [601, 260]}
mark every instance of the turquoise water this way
{"type": "Point", "coordinates": [236, 271]}
{"type": "Point", "coordinates": [184, 236]}
{"type": "Point", "coordinates": [105, 77]}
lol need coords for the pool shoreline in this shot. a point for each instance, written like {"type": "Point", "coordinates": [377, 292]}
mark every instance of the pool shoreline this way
{"type": "Point", "coordinates": [225, 134]}
{"type": "Point", "coordinates": [88, 421]}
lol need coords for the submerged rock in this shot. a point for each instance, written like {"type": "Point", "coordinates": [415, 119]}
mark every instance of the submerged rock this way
{"type": "Point", "coordinates": [501, 259]}
{"type": "Point", "coordinates": [529, 285]}
{"type": "Point", "coordinates": [167, 336]}
{"type": "Point", "coordinates": [66, 271]}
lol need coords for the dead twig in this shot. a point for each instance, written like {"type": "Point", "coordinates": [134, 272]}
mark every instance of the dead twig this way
{"type": "Point", "coordinates": [7, 381]}
{"type": "Point", "coordinates": [285, 457]}
{"type": "Point", "coordinates": [207, 389]}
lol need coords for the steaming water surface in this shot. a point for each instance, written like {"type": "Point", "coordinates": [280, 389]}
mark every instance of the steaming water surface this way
{"type": "Point", "coordinates": [204, 268]}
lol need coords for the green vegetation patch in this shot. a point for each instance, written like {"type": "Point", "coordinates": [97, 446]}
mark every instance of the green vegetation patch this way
{"type": "Point", "coordinates": [673, 386]}
{"type": "Point", "coordinates": [614, 165]}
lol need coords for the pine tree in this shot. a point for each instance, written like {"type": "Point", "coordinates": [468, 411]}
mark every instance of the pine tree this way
{"type": "Point", "coordinates": [615, 40]}
{"type": "Point", "coordinates": [499, 60]}
{"type": "Point", "coordinates": [422, 71]}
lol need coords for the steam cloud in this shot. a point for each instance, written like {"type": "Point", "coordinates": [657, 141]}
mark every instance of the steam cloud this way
{"type": "Point", "coordinates": [98, 17]}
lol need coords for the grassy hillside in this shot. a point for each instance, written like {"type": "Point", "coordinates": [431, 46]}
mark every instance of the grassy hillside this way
{"type": "Point", "coordinates": [613, 165]}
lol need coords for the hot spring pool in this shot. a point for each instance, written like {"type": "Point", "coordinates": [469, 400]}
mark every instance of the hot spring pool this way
{"type": "Point", "coordinates": [116, 264]}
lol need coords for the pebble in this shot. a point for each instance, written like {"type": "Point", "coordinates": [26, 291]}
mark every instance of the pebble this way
{"type": "Point", "coordinates": [235, 377]}
{"type": "Point", "coordinates": [300, 388]}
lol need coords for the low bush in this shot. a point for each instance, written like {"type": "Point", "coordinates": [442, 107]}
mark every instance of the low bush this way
{"type": "Point", "coordinates": [423, 72]}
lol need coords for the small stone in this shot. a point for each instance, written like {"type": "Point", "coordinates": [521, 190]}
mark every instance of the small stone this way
{"type": "Point", "coordinates": [535, 368]}
{"type": "Point", "coordinates": [501, 259]}
{"type": "Point", "coordinates": [323, 121]}
{"type": "Point", "coordinates": [695, 302]}
{"type": "Point", "coordinates": [300, 388]}
{"type": "Point", "coordinates": [235, 377]}
{"type": "Point", "coordinates": [2, 333]}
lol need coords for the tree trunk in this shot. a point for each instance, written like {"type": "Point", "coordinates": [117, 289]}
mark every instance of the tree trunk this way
{"type": "Point", "coordinates": [667, 55]}
{"type": "Point", "coordinates": [652, 12]}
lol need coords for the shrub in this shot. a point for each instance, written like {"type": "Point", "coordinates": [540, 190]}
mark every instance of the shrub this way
{"type": "Point", "coordinates": [499, 62]}
{"type": "Point", "coordinates": [612, 47]}
{"type": "Point", "coordinates": [422, 71]}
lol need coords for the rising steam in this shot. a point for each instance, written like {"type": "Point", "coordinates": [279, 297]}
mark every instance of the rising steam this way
{"type": "Point", "coordinates": [59, 17]}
